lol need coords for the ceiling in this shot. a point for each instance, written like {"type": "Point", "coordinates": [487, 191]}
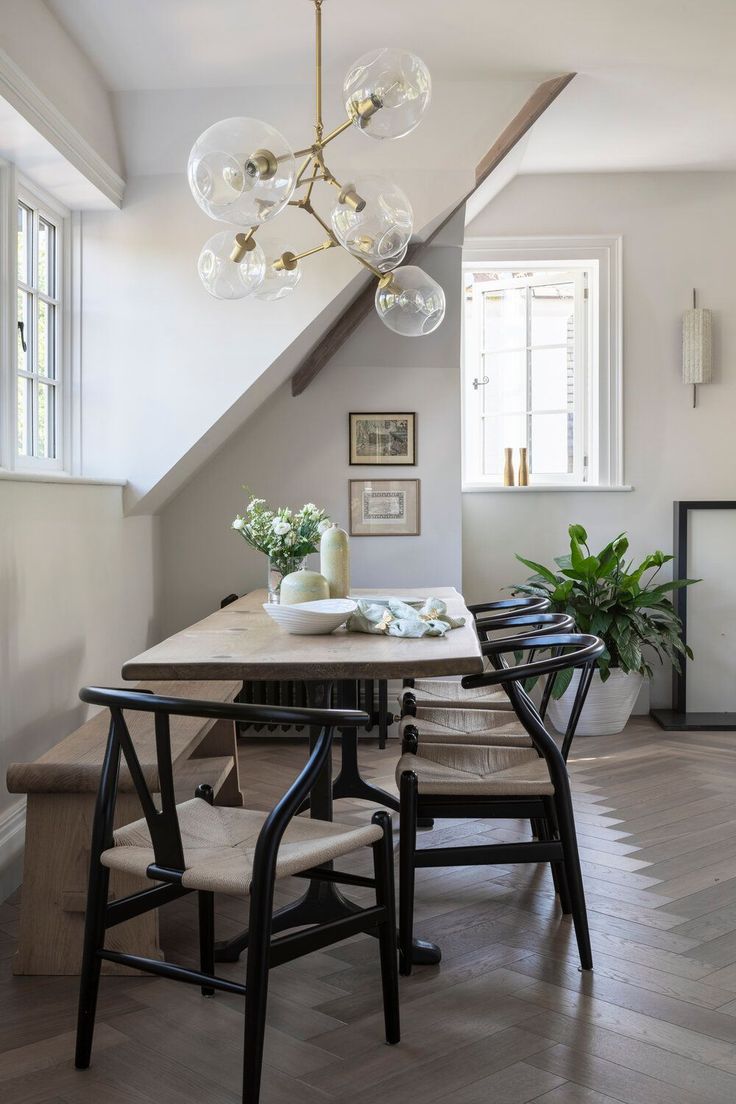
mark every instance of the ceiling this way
{"type": "Point", "coordinates": [657, 84]}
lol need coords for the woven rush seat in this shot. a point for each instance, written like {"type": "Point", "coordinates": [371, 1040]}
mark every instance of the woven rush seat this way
{"type": "Point", "coordinates": [459, 769]}
{"type": "Point", "coordinates": [449, 694]}
{"type": "Point", "coordinates": [460, 726]}
{"type": "Point", "coordinates": [219, 845]}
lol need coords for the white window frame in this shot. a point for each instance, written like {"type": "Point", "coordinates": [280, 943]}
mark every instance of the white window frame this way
{"type": "Point", "coordinates": [15, 188]}
{"type": "Point", "coordinates": [598, 395]}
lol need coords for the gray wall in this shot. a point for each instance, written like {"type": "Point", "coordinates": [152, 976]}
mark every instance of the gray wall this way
{"type": "Point", "coordinates": [296, 449]}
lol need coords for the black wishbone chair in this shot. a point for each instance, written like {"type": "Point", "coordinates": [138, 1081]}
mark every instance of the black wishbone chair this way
{"type": "Point", "coordinates": [448, 691]}
{"type": "Point", "coordinates": [198, 847]}
{"type": "Point", "coordinates": [454, 723]}
{"type": "Point", "coordinates": [485, 781]}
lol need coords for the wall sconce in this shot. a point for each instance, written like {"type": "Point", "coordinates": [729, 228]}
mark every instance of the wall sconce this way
{"type": "Point", "coordinates": [697, 347]}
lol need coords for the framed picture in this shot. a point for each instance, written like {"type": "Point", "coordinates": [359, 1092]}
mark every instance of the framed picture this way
{"type": "Point", "coordinates": [384, 507]}
{"type": "Point", "coordinates": [383, 438]}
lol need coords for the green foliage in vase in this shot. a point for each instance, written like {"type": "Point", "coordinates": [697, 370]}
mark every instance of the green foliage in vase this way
{"type": "Point", "coordinates": [286, 535]}
{"type": "Point", "coordinates": [611, 598]}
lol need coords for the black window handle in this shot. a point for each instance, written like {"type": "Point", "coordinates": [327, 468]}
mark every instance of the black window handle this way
{"type": "Point", "coordinates": [21, 327]}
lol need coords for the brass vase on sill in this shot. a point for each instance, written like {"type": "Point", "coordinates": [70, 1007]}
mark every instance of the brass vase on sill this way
{"type": "Point", "coordinates": [508, 467]}
{"type": "Point", "coordinates": [523, 468]}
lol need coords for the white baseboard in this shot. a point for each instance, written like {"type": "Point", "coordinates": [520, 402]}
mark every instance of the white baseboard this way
{"type": "Point", "coordinates": [12, 837]}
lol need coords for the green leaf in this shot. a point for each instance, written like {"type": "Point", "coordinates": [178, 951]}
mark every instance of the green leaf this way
{"type": "Point", "coordinates": [561, 683]}
{"type": "Point", "coordinates": [577, 533]}
{"type": "Point", "coordinates": [538, 569]}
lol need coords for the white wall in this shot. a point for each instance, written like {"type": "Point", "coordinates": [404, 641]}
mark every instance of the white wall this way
{"type": "Point", "coordinates": [76, 600]}
{"type": "Point", "coordinates": [679, 232]}
{"type": "Point", "coordinates": [36, 41]}
{"type": "Point", "coordinates": [296, 450]}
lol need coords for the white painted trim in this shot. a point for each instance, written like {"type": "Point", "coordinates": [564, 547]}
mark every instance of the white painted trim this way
{"type": "Point", "coordinates": [45, 117]}
{"type": "Point", "coordinates": [559, 488]}
{"type": "Point", "coordinates": [12, 839]}
{"type": "Point", "coordinates": [50, 476]}
{"type": "Point", "coordinates": [8, 245]}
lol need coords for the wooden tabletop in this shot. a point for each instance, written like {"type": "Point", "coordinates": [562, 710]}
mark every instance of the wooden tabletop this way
{"type": "Point", "coordinates": [241, 641]}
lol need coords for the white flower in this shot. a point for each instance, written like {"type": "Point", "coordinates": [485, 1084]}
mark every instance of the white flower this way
{"type": "Point", "coordinates": [256, 502]}
{"type": "Point", "coordinates": [324, 525]}
{"type": "Point", "coordinates": [239, 523]}
{"type": "Point", "coordinates": [309, 508]}
{"type": "Point", "coordinates": [280, 527]}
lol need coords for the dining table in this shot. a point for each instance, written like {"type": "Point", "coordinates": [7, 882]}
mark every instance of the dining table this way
{"type": "Point", "coordinates": [240, 641]}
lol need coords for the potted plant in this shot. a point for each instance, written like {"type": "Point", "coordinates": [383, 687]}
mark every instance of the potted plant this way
{"type": "Point", "coordinates": [627, 608]}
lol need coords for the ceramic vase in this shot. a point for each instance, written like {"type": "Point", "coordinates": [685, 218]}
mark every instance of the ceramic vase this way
{"type": "Point", "coordinates": [508, 467]}
{"type": "Point", "coordinates": [335, 561]}
{"type": "Point", "coordinates": [523, 468]}
{"type": "Point", "coordinates": [303, 586]}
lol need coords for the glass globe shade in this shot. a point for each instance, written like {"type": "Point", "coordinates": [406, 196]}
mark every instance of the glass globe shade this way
{"type": "Point", "coordinates": [372, 218]}
{"type": "Point", "coordinates": [278, 283]}
{"type": "Point", "coordinates": [225, 278]}
{"type": "Point", "coordinates": [410, 302]}
{"type": "Point", "coordinates": [386, 264]}
{"type": "Point", "coordinates": [241, 171]}
{"type": "Point", "coordinates": [387, 92]}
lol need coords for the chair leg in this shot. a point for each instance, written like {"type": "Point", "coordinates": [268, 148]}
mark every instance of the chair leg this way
{"type": "Point", "coordinates": [383, 862]}
{"type": "Point", "coordinates": [89, 982]}
{"type": "Point", "coordinates": [548, 831]}
{"type": "Point", "coordinates": [206, 903]}
{"type": "Point", "coordinates": [573, 876]}
{"type": "Point", "coordinates": [256, 988]}
{"type": "Point", "coordinates": [407, 850]}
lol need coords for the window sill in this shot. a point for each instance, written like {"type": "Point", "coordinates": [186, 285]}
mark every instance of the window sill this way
{"type": "Point", "coordinates": [558, 488]}
{"type": "Point", "coordinates": [40, 476]}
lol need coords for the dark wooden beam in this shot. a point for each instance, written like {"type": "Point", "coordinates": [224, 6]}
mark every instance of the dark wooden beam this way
{"type": "Point", "coordinates": [360, 305]}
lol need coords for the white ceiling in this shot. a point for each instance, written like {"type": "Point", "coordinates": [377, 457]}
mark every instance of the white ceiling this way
{"type": "Point", "coordinates": [657, 84]}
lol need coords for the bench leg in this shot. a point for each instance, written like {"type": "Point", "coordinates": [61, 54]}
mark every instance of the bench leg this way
{"type": "Point", "coordinates": [53, 899]}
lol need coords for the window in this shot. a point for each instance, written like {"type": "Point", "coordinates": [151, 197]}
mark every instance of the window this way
{"type": "Point", "coordinates": [540, 366]}
{"type": "Point", "coordinates": [39, 378]}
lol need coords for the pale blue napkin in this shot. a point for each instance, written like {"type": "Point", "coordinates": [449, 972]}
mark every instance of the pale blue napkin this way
{"type": "Point", "coordinates": [396, 618]}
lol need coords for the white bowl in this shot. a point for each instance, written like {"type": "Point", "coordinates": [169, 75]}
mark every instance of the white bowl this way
{"type": "Point", "coordinates": [312, 618]}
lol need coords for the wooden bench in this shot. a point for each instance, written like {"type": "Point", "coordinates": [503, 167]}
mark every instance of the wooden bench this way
{"type": "Point", "coordinates": [62, 787]}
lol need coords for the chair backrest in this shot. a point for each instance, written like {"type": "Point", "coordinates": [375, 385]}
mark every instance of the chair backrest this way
{"type": "Point", "coordinates": [564, 651]}
{"type": "Point", "coordinates": [162, 820]}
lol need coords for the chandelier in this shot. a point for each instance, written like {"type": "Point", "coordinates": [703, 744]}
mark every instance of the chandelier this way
{"type": "Point", "coordinates": [243, 172]}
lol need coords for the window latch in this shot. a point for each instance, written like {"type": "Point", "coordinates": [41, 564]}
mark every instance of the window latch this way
{"type": "Point", "coordinates": [21, 330]}
{"type": "Point", "coordinates": [476, 382]}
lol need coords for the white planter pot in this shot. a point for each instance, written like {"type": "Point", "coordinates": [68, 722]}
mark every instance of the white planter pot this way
{"type": "Point", "coordinates": [607, 707]}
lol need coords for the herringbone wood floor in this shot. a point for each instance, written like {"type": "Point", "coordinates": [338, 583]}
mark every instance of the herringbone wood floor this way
{"type": "Point", "coordinates": [506, 1019]}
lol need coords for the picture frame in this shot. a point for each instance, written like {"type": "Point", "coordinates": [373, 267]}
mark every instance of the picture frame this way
{"type": "Point", "coordinates": [384, 508]}
{"type": "Point", "coordinates": [387, 438]}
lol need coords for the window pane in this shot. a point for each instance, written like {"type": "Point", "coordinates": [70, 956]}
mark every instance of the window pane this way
{"type": "Point", "coordinates": [46, 257]}
{"type": "Point", "coordinates": [24, 243]}
{"type": "Point", "coordinates": [24, 334]}
{"type": "Point", "coordinates": [23, 415]}
{"type": "Point", "coordinates": [552, 313]}
{"type": "Point", "coordinates": [46, 339]}
{"type": "Point", "coordinates": [500, 432]}
{"type": "Point", "coordinates": [506, 387]}
{"type": "Point", "coordinates": [504, 318]}
{"type": "Point", "coordinates": [552, 379]}
{"type": "Point", "coordinates": [45, 446]}
{"type": "Point", "coordinates": [551, 444]}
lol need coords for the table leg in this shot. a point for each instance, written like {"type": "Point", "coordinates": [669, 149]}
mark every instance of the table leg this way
{"type": "Point", "coordinates": [323, 901]}
{"type": "Point", "coordinates": [350, 782]}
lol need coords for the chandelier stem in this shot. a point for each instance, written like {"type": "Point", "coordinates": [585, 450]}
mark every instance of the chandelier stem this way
{"type": "Point", "coordinates": [318, 128]}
